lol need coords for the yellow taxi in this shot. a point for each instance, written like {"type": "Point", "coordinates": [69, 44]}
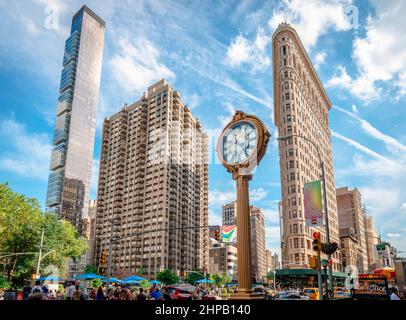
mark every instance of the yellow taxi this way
{"type": "Point", "coordinates": [341, 293]}
{"type": "Point", "coordinates": [312, 293]}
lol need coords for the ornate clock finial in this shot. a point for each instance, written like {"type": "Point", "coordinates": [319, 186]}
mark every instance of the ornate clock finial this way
{"type": "Point", "coordinates": [239, 115]}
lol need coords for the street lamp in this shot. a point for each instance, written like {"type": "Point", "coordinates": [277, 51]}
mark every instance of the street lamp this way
{"type": "Point", "coordinates": [323, 178]}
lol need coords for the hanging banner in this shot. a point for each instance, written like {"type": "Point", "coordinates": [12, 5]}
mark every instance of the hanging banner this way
{"type": "Point", "coordinates": [313, 209]}
{"type": "Point", "coordinates": [229, 234]}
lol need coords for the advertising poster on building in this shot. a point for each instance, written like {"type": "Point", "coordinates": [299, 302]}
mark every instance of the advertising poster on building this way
{"type": "Point", "coordinates": [229, 234]}
{"type": "Point", "coordinates": [312, 204]}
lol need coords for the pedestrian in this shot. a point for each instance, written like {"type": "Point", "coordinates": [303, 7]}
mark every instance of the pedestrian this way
{"type": "Point", "coordinates": [196, 294]}
{"type": "Point", "coordinates": [100, 294]}
{"type": "Point", "coordinates": [394, 295]}
{"type": "Point", "coordinates": [166, 295]}
{"type": "Point", "coordinates": [71, 289]}
{"type": "Point", "coordinates": [37, 288]}
{"type": "Point", "coordinates": [156, 295]}
{"type": "Point", "coordinates": [77, 294]}
{"type": "Point", "coordinates": [141, 296]}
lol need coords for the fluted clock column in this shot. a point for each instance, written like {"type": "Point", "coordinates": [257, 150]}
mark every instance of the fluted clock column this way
{"type": "Point", "coordinates": [244, 236]}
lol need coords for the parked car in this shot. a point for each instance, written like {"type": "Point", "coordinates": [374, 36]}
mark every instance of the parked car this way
{"type": "Point", "coordinates": [312, 293]}
{"type": "Point", "coordinates": [291, 295]}
{"type": "Point", "coordinates": [341, 293]}
{"type": "Point", "coordinates": [179, 293]}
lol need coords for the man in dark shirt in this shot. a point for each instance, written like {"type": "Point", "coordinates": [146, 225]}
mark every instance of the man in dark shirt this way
{"type": "Point", "coordinates": [141, 296]}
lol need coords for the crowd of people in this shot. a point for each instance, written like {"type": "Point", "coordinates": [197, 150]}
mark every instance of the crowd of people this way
{"type": "Point", "coordinates": [76, 291]}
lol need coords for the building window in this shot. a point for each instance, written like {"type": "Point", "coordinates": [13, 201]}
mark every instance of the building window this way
{"type": "Point", "coordinates": [295, 229]}
{"type": "Point", "coordinates": [284, 50]}
{"type": "Point", "coordinates": [296, 243]}
{"type": "Point", "coordinates": [291, 164]}
{"type": "Point", "coordinates": [294, 214]}
{"type": "Point", "coordinates": [287, 96]}
{"type": "Point", "coordinates": [285, 75]}
{"type": "Point", "coordinates": [290, 152]}
{"type": "Point", "coordinates": [292, 176]}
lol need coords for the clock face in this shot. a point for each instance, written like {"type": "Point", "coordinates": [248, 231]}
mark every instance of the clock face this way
{"type": "Point", "coordinates": [239, 142]}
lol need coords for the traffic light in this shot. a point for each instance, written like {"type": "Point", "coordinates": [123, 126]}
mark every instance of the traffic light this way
{"type": "Point", "coordinates": [317, 241]}
{"type": "Point", "coordinates": [217, 235]}
{"type": "Point", "coordinates": [103, 257]}
{"type": "Point", "coordinates": [313, 262]}
{"type": "Point", "coordinates": [329, 248]}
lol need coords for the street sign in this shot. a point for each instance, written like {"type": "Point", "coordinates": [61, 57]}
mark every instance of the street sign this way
{"type": "Point", "coordinates": [324, 262]}
{"type": "Point", "coordinates": [380, 247]}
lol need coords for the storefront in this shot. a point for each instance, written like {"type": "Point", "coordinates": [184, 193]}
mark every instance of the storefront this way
{"type": "Point", "coordinates": [302, 278]}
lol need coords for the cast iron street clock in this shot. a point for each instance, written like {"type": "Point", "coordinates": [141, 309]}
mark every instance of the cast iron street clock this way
{"type": "Point", "coordinates": [240, 148]}
{"type": "Point", "coordinates": [242, 143]}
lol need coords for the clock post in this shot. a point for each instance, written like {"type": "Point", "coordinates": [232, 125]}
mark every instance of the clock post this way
{"type": "Point", "coordinates": [241, 146]}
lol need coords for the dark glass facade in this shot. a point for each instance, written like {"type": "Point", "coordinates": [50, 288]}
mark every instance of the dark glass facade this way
{"type": "Point", "coordinates": [72, 155]}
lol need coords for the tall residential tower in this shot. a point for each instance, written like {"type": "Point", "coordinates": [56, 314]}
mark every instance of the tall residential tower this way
{"type": "Point", "coordinates": [301, 108]}
{"type": "Point", "coordinates": [153, 175]}
{"type": "Point", "coordinates": [72, 154]}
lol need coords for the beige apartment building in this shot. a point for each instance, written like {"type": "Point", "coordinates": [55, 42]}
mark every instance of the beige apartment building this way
{"type": "Point", "coordinates": [258, 251]}
{"type": "Point", "coordinates": [153, 175]}
{"type": "Point", "coordinates": [222, 259]}
{"type": "Point", "coordinates": [301, 108]}
{"type": "Point", "coordinates": [372, 239]}
{"type": "Point", "coordinates": [229, 214]}
{"type": "Point", "coordinates": [351, 223]}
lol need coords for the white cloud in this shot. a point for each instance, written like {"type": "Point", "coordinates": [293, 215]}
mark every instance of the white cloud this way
{"type": "Point", "coordinates": [219, 198]}
{"type": "Point", "coordinates": [312, 18]}
{"type": "Point", "coordinates": [215, 219]}
{"type": "Point", "coordinates": [391, 143]}
{"type": "Point", "coordinates": [137, 65]}
{"type": "Point", "coordinates": [403, 206]}
{"type": "Point", "coordinates": [271, 216]}
{"type": "Point", "coordinates": [362, 87]}
{"type": "Point", "coordinates": [354, 109]}
{"type": "Point", "coordinates": [393, 235]}
{"type": "Point", "coordinates": [29, 153]}
{"type": "Point", "coordinates": [258, 194]}
{"type": "Point", "coordinates": [255, 53]}
{"type": "Point", "coordinates": [319, 59]}
{"type": "Point", "coordinates": [380, 56]}
{"type": "Point", "coordinates": [273, 239]}
{"type": "Point", "coordinates": [364, 149]}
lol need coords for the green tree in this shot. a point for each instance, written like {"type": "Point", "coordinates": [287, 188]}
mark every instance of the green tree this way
{"type": "Point", "coordinates": [91, 269]}
{"type": "Point", "coordinates": [195, 275]}
{"type": "Point", "coordinates": [167, 277]}
{"type": "Point", "coordinates": [144, 284]}
{"type": "Point", "coordinates": [217, 279]}
{"type": "Point", "coordinates": [21, 224]}
{"type": "Point", "coordinates": [95, 283]}
{"type": "Point", "coordinates": [220, 279]}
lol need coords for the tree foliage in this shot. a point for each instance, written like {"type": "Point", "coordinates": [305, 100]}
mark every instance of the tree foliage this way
{"type": "Point", "coordinates": [167, 277]}
{"type": "Point", "coordinates": [195, 275]}
{"type": "Point", "coordinates": [220, 279]}
{"type": "Point", "coordinates": [21, 224]}
{"type": "Point", "coordinates": [91, 269]}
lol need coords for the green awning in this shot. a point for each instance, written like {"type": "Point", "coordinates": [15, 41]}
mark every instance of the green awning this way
{"type": "Point", "coordinates": [305, 272]}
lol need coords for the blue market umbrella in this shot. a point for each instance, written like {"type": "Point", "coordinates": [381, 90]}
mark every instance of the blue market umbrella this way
{"type": "Point", "coordinates": [130, 281]}
{"type": "Point", "coordinates": [134, 278]}
{"type": "Point", "coordinates": [155, 282]}
{"type": "Point", "coordinates": [204, 281]}
{"type": "Point", "coordinates": [50, 278]}
{"type": "Point", "coordinates": [112, 280]}
{"type": "Point", "coordinates": [88, 276]}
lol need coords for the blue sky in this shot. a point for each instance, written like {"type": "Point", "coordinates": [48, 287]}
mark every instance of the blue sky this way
{"type": "Point", "coordinates": [218, 55]}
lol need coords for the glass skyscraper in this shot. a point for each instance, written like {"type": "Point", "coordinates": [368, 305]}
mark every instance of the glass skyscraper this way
{"type": "Point", "coordinates": [72, 154]}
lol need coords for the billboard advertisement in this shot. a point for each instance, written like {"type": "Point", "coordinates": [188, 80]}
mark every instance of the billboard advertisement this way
{"type": "Point", "coordinates": [229, 234]}
{"type": "Point", "coordinates": [371, 286]}
{"type": "Point", "coordinates": [313, 209]}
